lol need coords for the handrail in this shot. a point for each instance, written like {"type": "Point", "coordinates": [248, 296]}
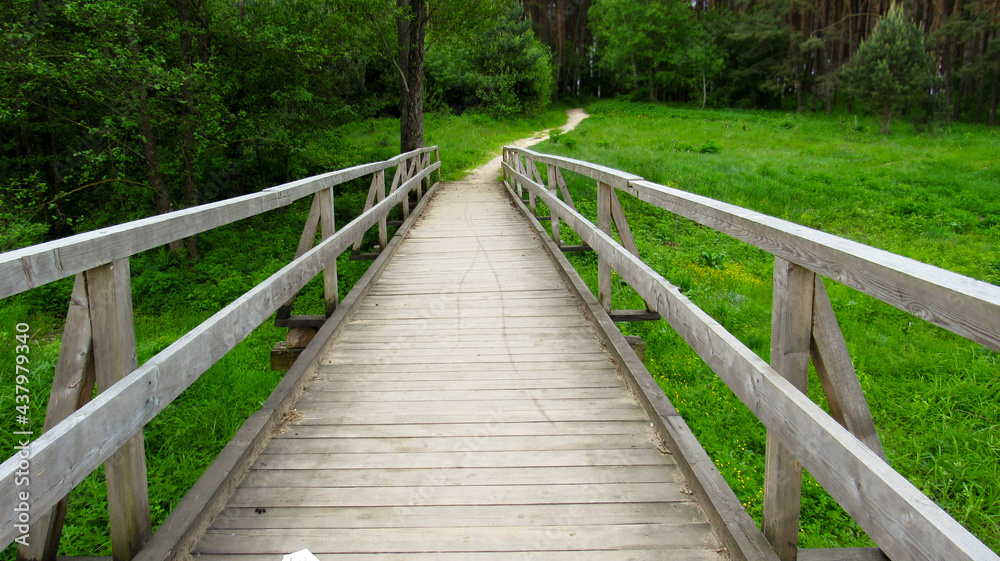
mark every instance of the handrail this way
{"type": "Point", "coordinates": [963, 305]}
{"type": "Point", "coordinates": [895, 514]}
{"type": "Point", "coordinates": [87, 437]}
{"type": "Point", "coordinates": [30, 267]}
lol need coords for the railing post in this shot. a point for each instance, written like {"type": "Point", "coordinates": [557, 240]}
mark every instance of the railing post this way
{"type": "Point", "coordinates": [553, 213]}
{"type": "Point", "coordinates": [110, 294]}
{"type": "Point", "coordinates": [791, 335]}
{"type": "Point", "coordinates": [72, 387]}
{"type": "Point", "coordinates": [604, 192]}
{"type": "Point", "coordinates": [331, 292]}
{"type": "Point", "coordinates": [383, 233]}
{"type": "Point", "coordinates": [406, 177]}
{"type": "Point", "coordinates": [437, 158]}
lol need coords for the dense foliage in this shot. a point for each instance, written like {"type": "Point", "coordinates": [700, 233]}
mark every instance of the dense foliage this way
{"type": "Point", "coordinates": [762, 54]}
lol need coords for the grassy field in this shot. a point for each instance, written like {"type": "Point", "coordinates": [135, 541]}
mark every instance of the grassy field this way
{"type": "Point", "coordinates": [932, 196]}
{"type": "Point", "coordinates": [173, 296]}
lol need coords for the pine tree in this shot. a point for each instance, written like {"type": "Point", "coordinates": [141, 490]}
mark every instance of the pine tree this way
{"type": "Point", "coordinates": [892, 65]}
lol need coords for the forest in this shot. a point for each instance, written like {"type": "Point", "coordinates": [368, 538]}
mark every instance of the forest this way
{"type": "Point", "coordinates": [115, 110]}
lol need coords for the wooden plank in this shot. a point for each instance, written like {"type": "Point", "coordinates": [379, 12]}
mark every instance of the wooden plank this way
{"type": "Point", "coordinates": [331, 291]}
{"type": "Point", "coordinates": [322, 416]}
{"type": "Point", "coordinates": [40, 264]}
{"type": "Point", "coordinates": [369, 201]}
{"type": "Point", "coordinates": [188, 520]}
{"type": "Point", "coordinates": [331, 393]}
{"type": "Point", "coordinates": [457, 495]}
{"type": "Point", "coordinates": [962, 305]}
{"type": "Point", "coordinates": [575, 248]}
{"type": "Point", "coordinates": [359, 383]}
{"type": "Point", "coordinates": [383, 226]}
{"type": "Point", "coordinates": [72, 387]}
{"type": "Point", "coordinates": [836, 372]}
{"type": "Point", "coordinates": [554, 218]}
{"type": "Point", "coordinates": [890, 509]}
{"type": "Point", "coordinates": [480, 427]}
{"type": "Point", "coordinates": [75, 447]}
{"type": "Point", "coordinates": [633, 315]}
{"type": "Point", "coordinates": [306, 240]}
{"type": "Point", "coordinates": [457, 539]}
{"type": "Point", "coordinates": [459, 516]}
{"type": "Point", "coordinates": [604, 192]}
{"type": "Point", "coordinates": [110, 294]}
{"type": "Point", "coordinates": [478, 443]}
{"type": "Point", "coordinates": [314, 321]}
{"type": "Point", "coordinates": [611, 176]}
{"type": "Point", "coordinates": [738, 532]}
{"type": "Point", "coordinates": [842, 554]}
{"type": "Point", "coordinates": [701, 554]}
{"type": "Point", "coordinates": [791, 332]}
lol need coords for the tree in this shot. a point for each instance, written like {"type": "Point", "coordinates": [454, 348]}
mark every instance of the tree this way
{"type": "Point", "coordinates": [892, 65]}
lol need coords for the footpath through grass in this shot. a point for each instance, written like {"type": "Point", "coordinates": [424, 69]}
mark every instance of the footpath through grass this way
{"type": "Point", "coordinates": [172, 296]}
{"type": "Point", "coordinates": [934, 197]}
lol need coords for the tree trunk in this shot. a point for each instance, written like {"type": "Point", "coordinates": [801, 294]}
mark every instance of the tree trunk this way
{"type": "Point", "coordinates": [188, 132]}
{"type": "Point", "coordinates": [412, 27]}
{"type": "Point", "coordinates": [886, 117]}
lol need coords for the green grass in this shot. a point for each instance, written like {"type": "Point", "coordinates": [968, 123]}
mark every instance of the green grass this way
{"type": "Point", "coordinates": [171, 296]}
{"type": "Point", "coordinates": [935, 397]}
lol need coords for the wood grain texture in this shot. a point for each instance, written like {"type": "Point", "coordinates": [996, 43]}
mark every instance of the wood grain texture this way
{"type": "Point", "coordinates": [894, 513]}
{"type": "Point", "coordinates": [73, 448]}
{"type": "Point", "coordinates": [604, 295]}
{"type": "Point", "coordinates": [738, 532]}
{"type": "Point", "coordinates": [960, 304]}
{"type": "Point", "coordinates": [446, 404]}
{"type": "Point", "coordinates": [73, 384]}
{"type": "Point", "coordinates": [40, 264]}
{"type": "Point", "coordinates": [109, 290]}
{"type": "Point", "coordinates": [791, 334]}
{"type": "Point", "coordinates": [836, 373]}
{"type": "Point", "coordinates": [331, 290]}
{"type": "Point", "coordinates": [188, 520]}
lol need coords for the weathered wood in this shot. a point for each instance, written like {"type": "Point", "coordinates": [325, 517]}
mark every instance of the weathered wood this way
{"type": "Point", "coordinates": [314, 321]}
{"type": "Point", "coordinates": [110, 294]}
{"type": "Point", "coordinates": [33, 266]}
{"type": "Point", "coordinates": [603, 174]}
{"type": "Point", "coordinates": [575, 248]}
{"type": "Point", "coordinates": [842, 554]}
{"type": "Point", "coordinates": [282, 357]}
{"type": "Point", "coordinates": [331, 290]}
{"type": "Point", "coordinates": [175, 537]}
{"type": "Point", "coordinates": [369, 201]}
{"type": "Point", "coordinates": [791, 329]}
{"type": "Point", "coordinates": [383, 227]}
{"type": "Point", "coordinates": [624, 231]}
{"type": "Point", "coordinates": [633, 315]}
{"type": "Point", "coordinates": [554, 215]}
{"type": "Point", "coordinates": [564, 189]}
{"type": "Point", "coordinates": [75, 447]}
{"type": "Point", "coordinates": [737, 530]}
{"type": "Point", "coordinates": [604, 193]}
{"type": "Point", "coordinates": [836, 372]}
{"type": "Point", "coordinates": [700, 554]}
{"type": "Point", "coordinates": [72, 387]}
{"type": "Point", "coordinates": [306, 240]}
{"type": "Point", "coordinates": [965, 306]}
{"type": "Point", "coordinates": [894, 513]}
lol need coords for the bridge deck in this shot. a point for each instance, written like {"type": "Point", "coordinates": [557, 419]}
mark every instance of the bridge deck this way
{"type": "Point", "coordinates": [467, 411]}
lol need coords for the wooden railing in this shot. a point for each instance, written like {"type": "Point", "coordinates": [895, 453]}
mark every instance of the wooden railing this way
{"type": "Point", "coordinates": [99, 347]}
{"type": "Point", "coordinates": [842, 452]}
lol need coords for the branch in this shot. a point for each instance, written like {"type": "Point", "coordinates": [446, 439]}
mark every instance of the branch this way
{"type": "Point", "coordinates": [388, 50]}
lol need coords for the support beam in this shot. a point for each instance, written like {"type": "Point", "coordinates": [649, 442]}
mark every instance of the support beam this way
{"type": "Point", "coordinates": [604, 193]}
{"type": "Point", "coordinates": [306, 241]}
{"type": "Point", "coordinates": [110, 294]}
{"type": "Point", "coordinates": [331, 292]}
{"type": "Point", "coordinates": [791, 334]}
{"type": "Point", "coordinates": [836, 372]}
{"type": "Point", "coordinates": [72, 387]}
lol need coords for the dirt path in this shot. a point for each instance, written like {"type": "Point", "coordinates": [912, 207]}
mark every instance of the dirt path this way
{"type": "Point", "coordinates": [491, 169]}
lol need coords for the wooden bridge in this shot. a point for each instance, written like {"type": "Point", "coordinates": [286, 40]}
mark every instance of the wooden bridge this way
{"type": "Point", "coordinates": [470, 398]}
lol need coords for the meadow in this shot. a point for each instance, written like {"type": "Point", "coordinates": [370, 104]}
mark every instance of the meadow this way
{"type": "Point", "coordinates": [931, 195]}
{"type": "Point", "coordinates": [172, 295]}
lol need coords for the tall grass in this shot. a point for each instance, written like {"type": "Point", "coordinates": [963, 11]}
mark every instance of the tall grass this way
{"type": "Point", "coordinates": [173, 295]}
{"type": "Point", "coordinates": [932, 196]}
